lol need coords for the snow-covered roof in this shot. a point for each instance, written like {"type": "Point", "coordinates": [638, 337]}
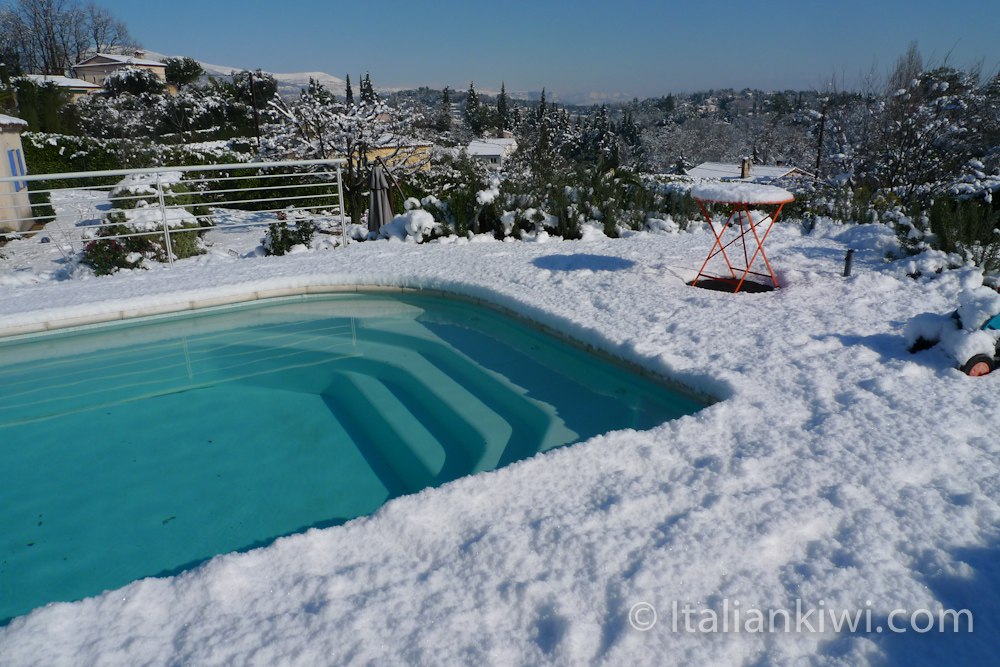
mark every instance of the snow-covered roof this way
{"type": "Point", "coordinates": [116, 58]}
{"type": "Point", "coordinates": [10, 121]}
{"type": "Point", "coordinates": [61, 81]}
{"type": "Point", "coordinates": [725, 170]}
{"type": "Point", "coordinates": [499, 141]}
{"type": "Point", "coordinates": [491, 147]}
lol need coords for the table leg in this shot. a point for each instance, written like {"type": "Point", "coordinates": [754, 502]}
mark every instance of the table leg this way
{"type": "Point", "coordinates": [718, 242]}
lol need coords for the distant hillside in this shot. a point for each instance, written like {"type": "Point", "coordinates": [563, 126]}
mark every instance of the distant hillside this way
{"type": "Point", "coordinates": [289, 84]}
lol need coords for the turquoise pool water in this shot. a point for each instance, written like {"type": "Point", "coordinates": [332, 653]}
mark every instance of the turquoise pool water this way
{"type": "Point", "coordinates": [140, 449]}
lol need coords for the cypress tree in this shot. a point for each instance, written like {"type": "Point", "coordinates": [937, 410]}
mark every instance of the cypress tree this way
{"type": "Point", "coordinates": [367, 90]}
{"type": "Point", "coordinates": [444, 116]}
{"type": "Point", "coordinates": [473, 112]}
{"type": "Point", "coordinates": [348, 91]}
{"type": "Point", "coordinates": [502, 112]}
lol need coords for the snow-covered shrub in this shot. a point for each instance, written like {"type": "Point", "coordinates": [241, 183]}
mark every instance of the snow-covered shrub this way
{"type": "Point", "coordinates": [665, 225]}
{"type": "Point", "coordinates": [672, 198]}
{"type": "Point", "coordinates": [970, 228]}
{"type": "Point", "coordinates": [135, 210]}
{"type": "Point", "coordinates": [461, 195]}
{"type": "Point", "coordinates": [133, 231]}
{"type": "Point", "coordinates": [280, 238]}
{"type": "Point", "coordinates": [414, 226]}
{"type": "Point", "coordinates": [134, 81]}
{"type": "Point", "coordinates": [107, 256]}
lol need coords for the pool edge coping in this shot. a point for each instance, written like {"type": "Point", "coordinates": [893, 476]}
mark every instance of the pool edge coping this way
{"type": "Point", "coordinates": [186, 306]}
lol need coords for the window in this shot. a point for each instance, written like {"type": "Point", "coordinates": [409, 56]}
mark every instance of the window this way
{"type": "Point", "coordinates": [17, 168]}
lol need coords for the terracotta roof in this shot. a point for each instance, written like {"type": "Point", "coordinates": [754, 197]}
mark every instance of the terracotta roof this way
{"type": "Point", "coordinates": [10, 121]}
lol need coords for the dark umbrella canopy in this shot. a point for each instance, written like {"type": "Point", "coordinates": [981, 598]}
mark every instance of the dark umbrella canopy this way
{"type": "Point", "coordinates": [379, 209]}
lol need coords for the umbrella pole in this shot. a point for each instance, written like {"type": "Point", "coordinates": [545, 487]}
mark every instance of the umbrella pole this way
{"type": "Point", "coordinates": [392, 179]}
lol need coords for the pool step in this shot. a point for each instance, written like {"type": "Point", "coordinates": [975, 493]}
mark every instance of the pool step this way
{"type": "Point", "coordinates": [535, 426]}
{"type": "Point", "coordinates": [472, 433]}
{"type": "Point", "coordinates": [380, 423]}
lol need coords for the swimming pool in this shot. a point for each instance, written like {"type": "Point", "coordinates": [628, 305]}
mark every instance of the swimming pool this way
{"type": "Point", "coordinates": [143, 448]}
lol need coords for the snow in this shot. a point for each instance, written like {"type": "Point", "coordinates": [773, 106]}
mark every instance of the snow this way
{"type": "Point", "coordinates": [488, 195]}
{"type": "Point", "coordinates": [662, 225]}
{"type": "Point", "coordinates": [977, 305]}
{"type": "Point", "coordinates": [723, 170]}
{"type": "Point", "coordinates": [961, 338]}
{"type": "Point", "coordinates": [146, 183]}
{"type": "Point", "coordinates": [61, 81]}
{"type": "Point", "coordinates": [8, 121]}
{"type": "Point", "coordinates": [730, 192]}
{"type": "Point", "coordinates": [146, 218]}
{"type": "Point", "coordinates": [413, 226]}
{"type": "Point", "coordinates": [118, 58]}
{"type": "Point", "coordinates": [837, 469]}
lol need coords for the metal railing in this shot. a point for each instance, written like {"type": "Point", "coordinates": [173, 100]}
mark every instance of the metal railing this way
{"type": "Point", "coordinates": [181, 199]}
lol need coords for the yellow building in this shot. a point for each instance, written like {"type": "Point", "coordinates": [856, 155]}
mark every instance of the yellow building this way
{"type": "Point", "coordinates": [15, 208]}
{"type": "Point", "coordinates": [402, 155]}
{"type": "Point", "coordinates": [76, 88]}
{"type": "Point", "coordinates": [99, 66]}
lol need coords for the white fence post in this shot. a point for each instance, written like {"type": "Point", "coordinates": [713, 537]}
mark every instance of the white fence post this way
{"type": "Point", "coordinates": [163, 216]}
{"type": "Point", "coordinates": [270, 192]}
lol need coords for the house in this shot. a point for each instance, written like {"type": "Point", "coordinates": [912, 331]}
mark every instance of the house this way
{"type": "Point", "coordinates": [97, 67]}
{"type": "Point", "coordinates": [757, 173]}
{"type": "Point", "coordinates": [492, 151]}
{"type": "Point", "coordinates": [402, 154]}
{"type": "Point", "coordinates": [15, 208]}
{"type": "Point", "coordinates": [76, 88]}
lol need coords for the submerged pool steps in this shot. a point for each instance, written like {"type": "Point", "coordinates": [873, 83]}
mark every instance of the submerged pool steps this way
{"type": "Point", "coordinates": [142, 448]}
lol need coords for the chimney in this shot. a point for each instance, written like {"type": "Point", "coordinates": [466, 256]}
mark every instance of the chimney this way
{"type": "Point", "coordinates": [745, 167]}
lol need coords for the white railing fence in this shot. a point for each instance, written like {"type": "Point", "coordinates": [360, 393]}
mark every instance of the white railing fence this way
{"type": "Point", "coordinates": [174, 199]}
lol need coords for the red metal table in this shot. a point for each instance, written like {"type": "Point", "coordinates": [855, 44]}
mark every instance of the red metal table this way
{"type": "Point", "coordinates": [742, 200]}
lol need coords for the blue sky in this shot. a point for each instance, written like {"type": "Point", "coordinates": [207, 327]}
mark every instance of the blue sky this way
{"type": "Point", "coordinates": [632, 47]}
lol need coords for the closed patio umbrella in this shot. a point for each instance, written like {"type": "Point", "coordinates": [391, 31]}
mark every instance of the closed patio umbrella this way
{"type": "Point", "coordinates": [379, 208]}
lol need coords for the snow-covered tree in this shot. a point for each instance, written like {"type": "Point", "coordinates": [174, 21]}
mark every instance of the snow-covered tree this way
{"type": "Point", "coordinates": [183, 71]}
{"type": "Point", "coordinates": [926, 132]}
{"type": "Point", "coordinates": [254, 88]}
{"type": "Point", "coordinates": [316, 125]}
{"type": "Point", "coordinates": [134, 81]}
{"type": "Point", "coordinates": [121, 116]}
{"type": "Point", "coordinates": [503, 110]}
{"type": "Point", "coordinates": [443, 121]}
{"type": "Point", "coordinates": [368, 95]}
{"type": "Point", "coordinates": [475, 113]}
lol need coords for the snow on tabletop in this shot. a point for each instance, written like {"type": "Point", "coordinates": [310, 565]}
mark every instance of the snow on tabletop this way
{"type": "Point", "coordinates": [838, 471]}
{"type": "Point", "coordinates": [731, 192]}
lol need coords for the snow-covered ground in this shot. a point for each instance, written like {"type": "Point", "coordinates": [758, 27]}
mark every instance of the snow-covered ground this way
{"type": "Point", "coordinates": [839, 472]}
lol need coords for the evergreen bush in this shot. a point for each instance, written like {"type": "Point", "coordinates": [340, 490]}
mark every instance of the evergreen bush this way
{"type": "Point", "coordinates": [968, 227]}
{"type": "Point", "coordinates": [280, 238]}
{"type": "Point", "coordinates": [106, 256]}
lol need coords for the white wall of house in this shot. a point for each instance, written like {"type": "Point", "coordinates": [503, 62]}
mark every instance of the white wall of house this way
{"type": "Point", "coordinates": [15, 209]}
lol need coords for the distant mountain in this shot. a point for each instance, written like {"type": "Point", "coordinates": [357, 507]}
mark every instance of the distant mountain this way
{"type": "Point", "coordinates": [289, 84]}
